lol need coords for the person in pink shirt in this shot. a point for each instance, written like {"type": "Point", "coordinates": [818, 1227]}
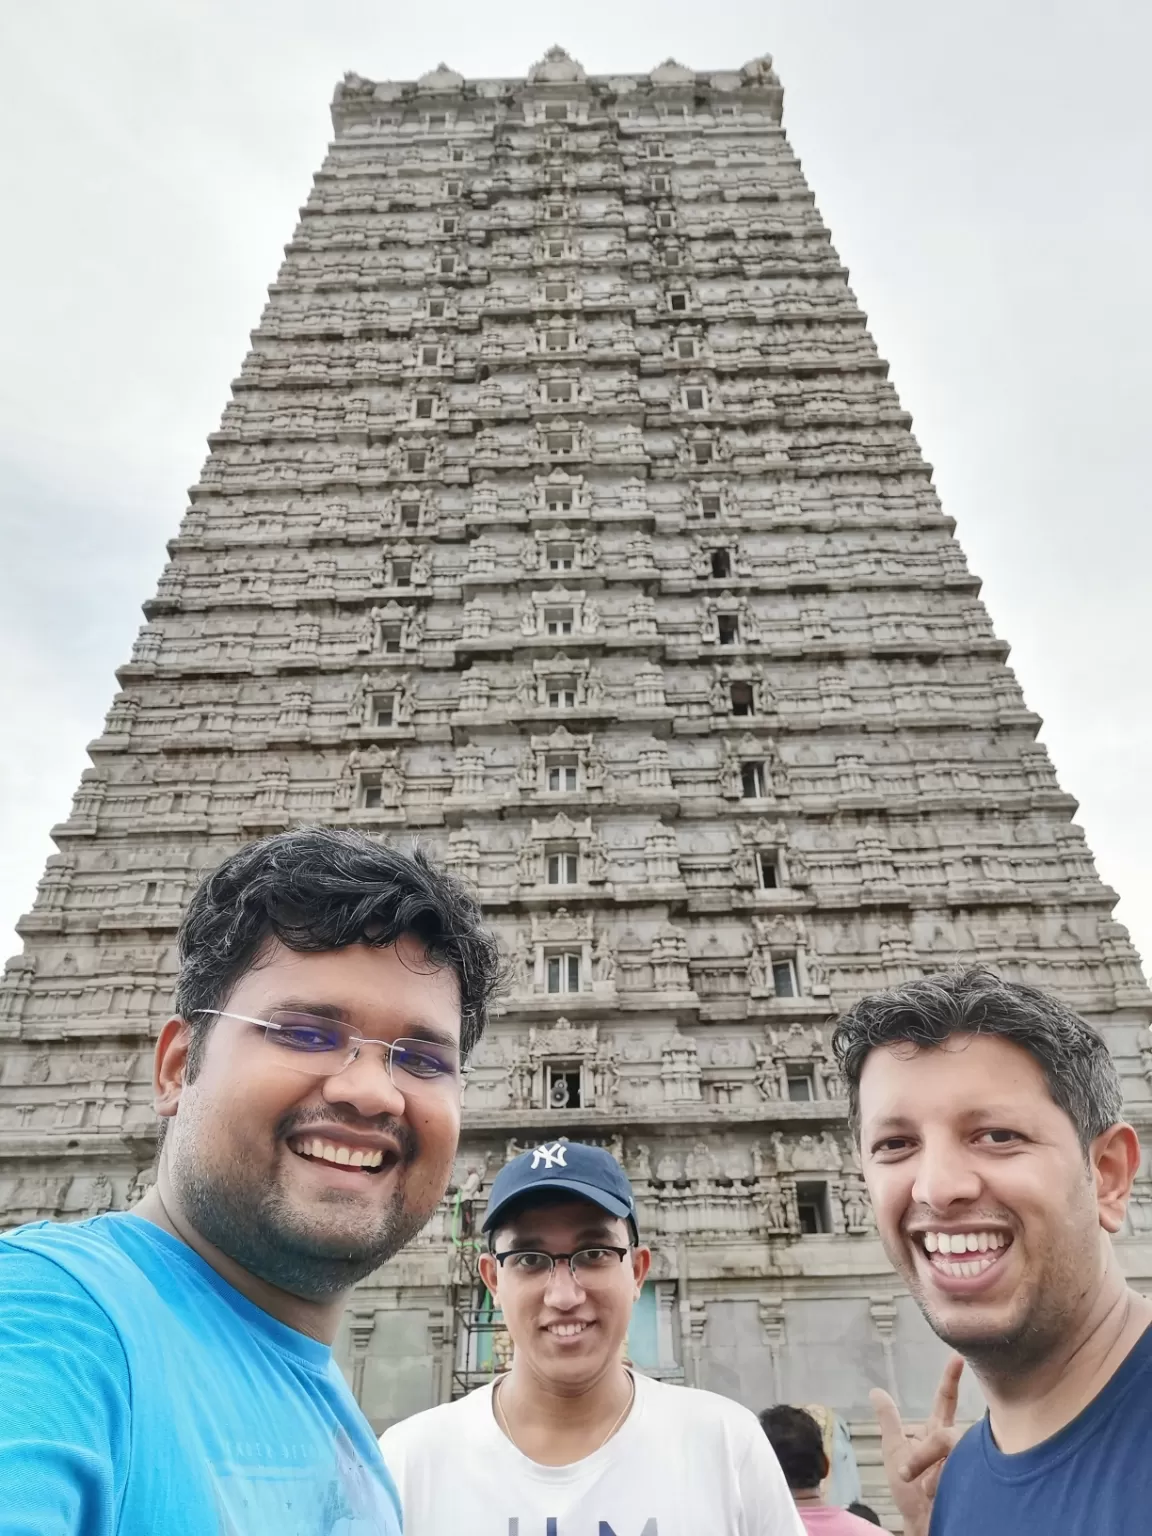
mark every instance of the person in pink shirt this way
{"type": "Point", "coordinates": [795, 1437]}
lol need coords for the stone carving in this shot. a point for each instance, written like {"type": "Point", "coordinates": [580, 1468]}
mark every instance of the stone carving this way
{"type": "Point", "coordinates": [391, 604]}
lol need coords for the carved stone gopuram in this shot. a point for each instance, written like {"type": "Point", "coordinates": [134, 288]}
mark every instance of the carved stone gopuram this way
{"type": "Point", "coordinates": [563, 515]}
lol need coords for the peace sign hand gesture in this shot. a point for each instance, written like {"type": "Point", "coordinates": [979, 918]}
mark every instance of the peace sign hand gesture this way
{"type": "Point", "coordinates": [913, 1462]}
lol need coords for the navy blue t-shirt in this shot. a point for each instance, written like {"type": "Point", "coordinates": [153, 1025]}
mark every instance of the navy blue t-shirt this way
{"type": "Point", "coordinates": [1093, 1478]}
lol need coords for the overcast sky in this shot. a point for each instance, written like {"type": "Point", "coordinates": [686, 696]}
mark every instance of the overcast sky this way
{"type": "Point", "coordinates": [984, 168]}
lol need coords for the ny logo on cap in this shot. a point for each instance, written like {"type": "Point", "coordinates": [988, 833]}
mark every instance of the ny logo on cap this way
{"type": "Point", "coordinates": [549, 1156]}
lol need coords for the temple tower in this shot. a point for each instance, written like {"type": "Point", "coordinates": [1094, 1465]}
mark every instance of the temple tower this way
{"type": "Point", "coordinates": [564, 516]}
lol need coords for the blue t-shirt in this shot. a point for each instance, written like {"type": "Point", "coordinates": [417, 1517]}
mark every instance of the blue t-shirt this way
{"type": "Point", "coordinates": [1093, 1478]}
{"type": "Point", "coordinates": [141, 1395]}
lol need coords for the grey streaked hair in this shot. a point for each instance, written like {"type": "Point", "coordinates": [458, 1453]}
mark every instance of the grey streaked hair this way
{"type": "Point", "coordinates": [1081, 1076]}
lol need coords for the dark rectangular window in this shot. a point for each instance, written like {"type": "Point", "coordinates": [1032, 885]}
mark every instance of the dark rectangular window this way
{"type": "Point", "coordinates": [784, 978]}
{"type": "Point", "coordinates": [752, 781]}
{"type": "Point", "coordinates": [564, 1086]}
{"type": "Point", "coordinates": [742, 698]}
{"type": "Point", "coordinates": [563, 973]}
{"type": "Point", "coordinates": [800, 1087]}
{"type": "Point", "coordinates": [812, 1206]}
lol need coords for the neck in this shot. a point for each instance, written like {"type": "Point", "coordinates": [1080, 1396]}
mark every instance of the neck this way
{"type": "Point", "coordinates": [317, 1319]}
{"type": "Point", "coordinates": [1030, 1405]}
{"type": "Point", "coordinates": [808, 1497]}
{"type": "Point", "coordinates": [556, 1426]}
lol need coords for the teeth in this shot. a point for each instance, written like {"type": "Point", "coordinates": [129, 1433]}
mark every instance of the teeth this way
{"type": "Point", "coordinates": [963, 1242]}
{"type": "Point", "coordinates": [566, 1330]}
{"type": "Point", "coordinates": [352, 1157]}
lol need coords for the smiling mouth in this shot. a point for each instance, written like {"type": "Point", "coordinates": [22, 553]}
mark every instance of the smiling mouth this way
{"type": "Point", "coordinates": [368, 1160]}
{"type": "Point", "coordinates": [567, 1330]}
{"type": "Point", "coordinates": [963, 1255]}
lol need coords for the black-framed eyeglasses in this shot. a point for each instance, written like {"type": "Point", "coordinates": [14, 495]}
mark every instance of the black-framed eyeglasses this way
{"type": "Point", "coordinates": [321, 1047]}
{"type": "Point", "coordinates": [586, 1265]}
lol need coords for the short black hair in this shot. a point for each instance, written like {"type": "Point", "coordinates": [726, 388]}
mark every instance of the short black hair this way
{"type": "Point", "coordinates": [798, 1442]}
{"type": "Point", "coordinates": [316, 889]}
{"type": "Point", "coordinates": [1081, 1075]}
{"type": "Point", "coordinates": [864, 1512]}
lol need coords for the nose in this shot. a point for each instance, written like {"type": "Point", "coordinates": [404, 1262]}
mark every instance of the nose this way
{"type": "Point", "coordinates": [366, 1085]}
{"type": "Point", "coordinates": [945, 1175]}
{"type": "Point", "coordinates": [563, 1291]}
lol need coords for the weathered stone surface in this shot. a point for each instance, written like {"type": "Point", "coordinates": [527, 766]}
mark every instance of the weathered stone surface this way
{"type": "Point", "coordinates": [564, 514]}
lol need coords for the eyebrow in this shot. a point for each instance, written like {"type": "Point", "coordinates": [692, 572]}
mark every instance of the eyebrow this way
{"type": "Point", "coordinates": [1002, 1114]}
{"type": "Point", "coordinates": [415, 1029]}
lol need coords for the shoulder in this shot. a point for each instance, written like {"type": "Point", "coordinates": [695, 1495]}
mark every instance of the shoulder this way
{"type": "Point", "coordinates": [44, 1287]}
{"type": "Point", "coordinates": [46, 1254]}
{"type": "Point", "coordinates": [693, 1406]}
{"type": "Point", "coordinates": [65, 1243]}
{"type": "Point", "coordinates": [432, 1428]}
{"type": "Point", "coordinates": [963, 1459]}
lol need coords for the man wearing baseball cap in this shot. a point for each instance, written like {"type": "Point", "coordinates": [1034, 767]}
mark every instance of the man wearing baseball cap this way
{"type": "Point", "coordinates": [572, 1441]}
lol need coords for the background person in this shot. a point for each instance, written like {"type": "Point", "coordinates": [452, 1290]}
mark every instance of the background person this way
{"type": "Point", "coordinates": [571, 1440]}
{"type": "Point", "coordinates": [864, 1512]}
{"type": "Point", "coordinates": [170, 1369]}
{"type": "Point", "coordinates": [989, 1120]}
{"type": "Point", "coordinates": [798, 1441]}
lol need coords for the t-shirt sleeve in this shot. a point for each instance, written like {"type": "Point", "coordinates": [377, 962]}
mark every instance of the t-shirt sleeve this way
{"type": "Point", "coordinates": [768, 1506]}
{"type": "Point", "coordinates": [64, 1403]}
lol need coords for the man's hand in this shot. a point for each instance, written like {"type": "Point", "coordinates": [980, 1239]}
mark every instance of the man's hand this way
{"type": "Point", "coordinates": [914, 1462]}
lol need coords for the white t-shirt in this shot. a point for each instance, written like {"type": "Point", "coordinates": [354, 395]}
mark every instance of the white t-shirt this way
{"type": "Point", "coordinates": [683, 1463]}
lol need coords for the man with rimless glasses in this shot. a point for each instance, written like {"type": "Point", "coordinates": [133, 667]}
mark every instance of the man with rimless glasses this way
{"type": "Point", "coordinates": [169, 1369]}
{"type": "Point", "coordinates": [572, 1441]}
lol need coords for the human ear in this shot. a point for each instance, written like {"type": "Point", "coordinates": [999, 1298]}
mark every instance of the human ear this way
{"type": "Point", "coordinates": [1115, 1162]}
{"type": "Point", "coordinates": [169, 1065]}
{"type": "Point", "coordinates": [490, 1273]}
{"type": "Point", "coordinates": [641, 1263]}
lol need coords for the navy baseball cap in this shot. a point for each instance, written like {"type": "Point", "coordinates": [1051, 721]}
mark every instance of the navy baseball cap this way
{"type": "Point", "coordinates": [572, 1167]}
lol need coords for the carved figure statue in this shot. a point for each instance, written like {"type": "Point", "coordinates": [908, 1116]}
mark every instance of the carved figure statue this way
{"type": "Point", "coordinates": [604, 1075]}
{"type": "Point", "coordinates": [604, 959]}
{"type": "Point", "coordinates": [767, 1075]}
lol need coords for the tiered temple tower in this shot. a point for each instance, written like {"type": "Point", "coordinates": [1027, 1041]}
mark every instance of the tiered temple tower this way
{"type": "Point", "coordinates": [563, 515]}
